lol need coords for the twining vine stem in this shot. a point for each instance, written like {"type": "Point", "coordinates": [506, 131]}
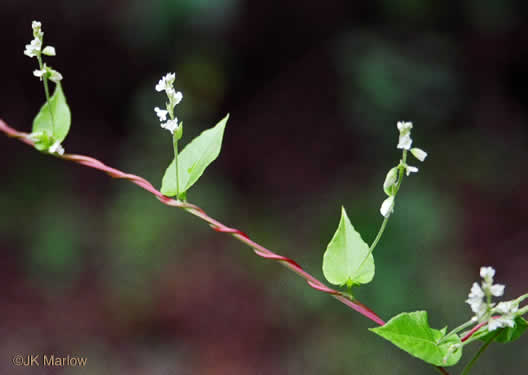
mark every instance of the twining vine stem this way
{"type": "Point", "coordinates": [214, 224]}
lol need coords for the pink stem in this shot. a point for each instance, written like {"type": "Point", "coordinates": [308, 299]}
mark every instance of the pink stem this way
{"type": "Point", "coordinates": [475, 329]}
{"type": "Point", "coordinates": [216, 225]}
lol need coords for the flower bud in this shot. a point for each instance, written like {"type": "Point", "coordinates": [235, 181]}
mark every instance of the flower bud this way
{"type": "Point", "coordinates": [49, 51]}
{"type": "Point", "coordinates": [387, 207]}
{"type": "Point", "coordinates": [390, 181]}
{"type": "Point", "coordinates": [419, 153]}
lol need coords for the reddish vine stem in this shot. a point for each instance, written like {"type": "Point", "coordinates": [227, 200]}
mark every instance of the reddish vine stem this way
{"type": "Point", "coordinates": [259, 250]}
{"type": "Point", "coordinates": [472, 331]}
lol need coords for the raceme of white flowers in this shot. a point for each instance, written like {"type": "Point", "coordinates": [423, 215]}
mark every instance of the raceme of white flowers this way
{"type": "Point", "coordinates": [479, 299]}
{"type": "Point", "coordinates": [34, 49]}
{"type": "Point", "coordinates": [390, 186]}
{"type": "Point", "coordinates": [166, 83]}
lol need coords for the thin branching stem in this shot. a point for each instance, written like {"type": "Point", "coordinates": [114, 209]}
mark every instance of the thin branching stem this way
{"type": "Point", "coordinates": [46, 92]}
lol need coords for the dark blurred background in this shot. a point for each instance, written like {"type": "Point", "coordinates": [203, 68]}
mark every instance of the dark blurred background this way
{"type": "Point", "coordinates": [99, 268]}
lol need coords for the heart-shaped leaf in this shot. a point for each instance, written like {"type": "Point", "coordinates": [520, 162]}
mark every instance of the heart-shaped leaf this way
{"type": "Point", "coordinates": [347, 259]}
{"type": "Point", "coordinates": [411, 332]}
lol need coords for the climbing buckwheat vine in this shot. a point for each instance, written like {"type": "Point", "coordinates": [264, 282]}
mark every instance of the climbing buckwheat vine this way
{"type": "Point", "coordinates": [348, 260]}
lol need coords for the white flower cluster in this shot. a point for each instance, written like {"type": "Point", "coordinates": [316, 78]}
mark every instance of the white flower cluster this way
{"type": "Point", "coordinates": [391, 181]}
{"type": "Point", "coordinates": [34, 49]}
{"type": "Point", "coordinates": [480, 301]}
{"type": "Point", "coordinates": [166, 84]}
{"type": "Point", "coordinates": [405, 143]}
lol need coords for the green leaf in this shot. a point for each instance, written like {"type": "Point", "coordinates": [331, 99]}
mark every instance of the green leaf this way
{"type": "Point", "coordinates": [345, 260]}
{"type": "Point", "coordinates": [194, 159]}
{"type": "Point", "coordinates": [60, 113]}
{"type": "Point", "coordinates": [42, 141]}
{"type": "Point", "coordinates": [411, 333]}
{"type": "Point", "coordinates": [507, 334]}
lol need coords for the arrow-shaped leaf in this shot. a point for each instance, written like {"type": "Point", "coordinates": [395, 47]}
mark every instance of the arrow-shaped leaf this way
{"type": "Point", "coordinates": [194, 159]}
{"type": "Point", "coordinates": [347, 259]}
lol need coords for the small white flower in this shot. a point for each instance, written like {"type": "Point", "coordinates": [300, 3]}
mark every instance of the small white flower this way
{"type": "Point", "coordinates": [390, 181]}
{"type": "Point", "coordinates": [174, 97]}
{"type": "Point", "coordinates": [476, 301]}
{"type": "Point", "coordinates": [39, 73]}
{"type": "Point", "coordinates": [479, 309]}
{"type": "Point", "coordinates": [171, 125]}
{"type": "Point", "coordinates": [387, 207]}
{"type": "Point", "coordinates": [487, 273]}
{"type": "Point", "coordinates": [404, 126]}
{"type": "Point", "coordinates": [497, 290]}
{"type": "Point", "coordinates": [37, 30]}
{"type": "Point", "coordinates": [405, 140]}
{"type": "Point", "coordinates": [36, 26]}
{"type": "Point", "coordinates": [161, 85]}
{"type": "Point", "coordinates": [509, 307]}
{"type": "Point", "coordinates": [476, 292]}
{"type": "Point", "coordinates": [410, 169]}
{"type": "Point", "coordinates": [177, 98]}
{"type": "Point", "coordinates": [56, 148]}
{"type": "Point", "coordinates": [419, 153]}
{"type": "Point", "coordinates": [49, 51]}
{"type": "Point", "coordinates": [165, 82]}
{"type": "Point", "coordinates": [500, 322]}
{"type": "Point", "coordinates": [161, 113]}
{"type": "Point", "coordinates": [33, 48]}
{"type": "Point", "coordinates": [508, 310]}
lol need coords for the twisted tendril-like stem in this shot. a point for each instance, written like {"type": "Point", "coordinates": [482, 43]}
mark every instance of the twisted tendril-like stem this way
{"type": "Point", "coordinates": [259, 250]}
